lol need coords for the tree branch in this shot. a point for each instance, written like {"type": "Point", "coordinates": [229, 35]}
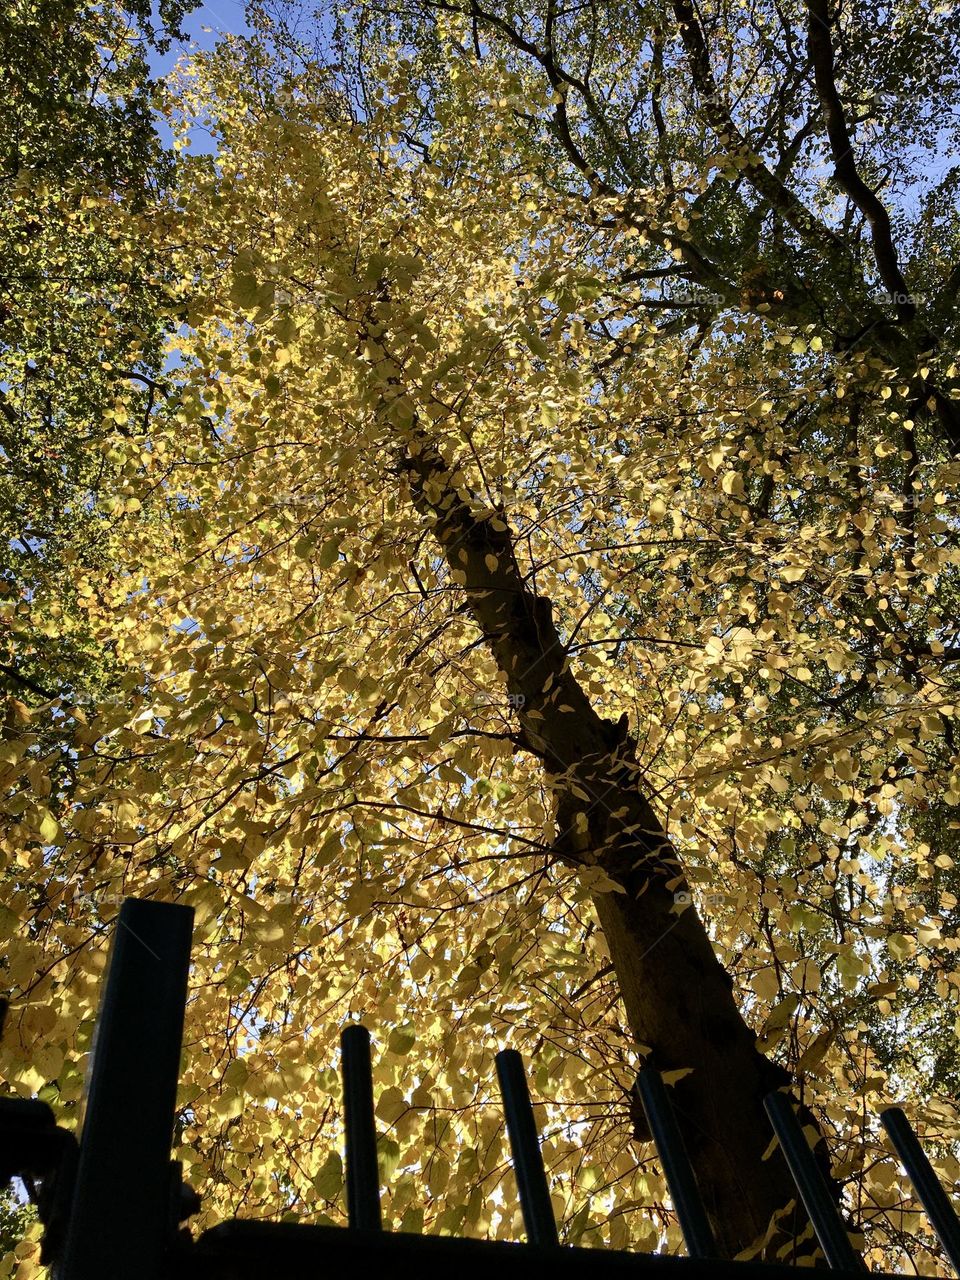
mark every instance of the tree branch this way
{"type": "Point", "coordinates": [845, 174]}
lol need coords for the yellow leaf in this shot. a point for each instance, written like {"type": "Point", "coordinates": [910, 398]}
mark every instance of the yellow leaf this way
{"type": "Point", "coordinates": [48, 827]}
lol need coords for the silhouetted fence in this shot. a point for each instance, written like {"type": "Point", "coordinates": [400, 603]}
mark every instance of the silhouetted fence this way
{"type": "Point", "coordinates": [112, 1205]}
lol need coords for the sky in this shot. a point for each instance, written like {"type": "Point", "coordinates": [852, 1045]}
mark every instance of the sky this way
{"type": "Point", "coordinates": [202, 28]}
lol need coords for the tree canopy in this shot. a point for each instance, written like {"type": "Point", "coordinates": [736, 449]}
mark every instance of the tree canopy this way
{"type": "Point", "coordinates": [81, 313]}
{"type": "Point", "coordinates": [529, 589]}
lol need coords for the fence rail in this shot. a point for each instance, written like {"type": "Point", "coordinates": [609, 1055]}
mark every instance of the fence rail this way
{"type": "Point", "coordinates": [112, 1205]}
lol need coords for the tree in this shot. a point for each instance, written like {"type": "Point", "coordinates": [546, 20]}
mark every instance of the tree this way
{"type": "Point", "coordinates": [81, 326]}
{"type": "Point", "coordinates": [456, 589]}
{"type": "Point", "coordinates": [81, 322]}
{"type": "Point", "coordinates": [711, 132]}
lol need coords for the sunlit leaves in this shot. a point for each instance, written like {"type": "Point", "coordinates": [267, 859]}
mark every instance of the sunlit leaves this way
{"type": "Point", "coordinates": [310, 744]}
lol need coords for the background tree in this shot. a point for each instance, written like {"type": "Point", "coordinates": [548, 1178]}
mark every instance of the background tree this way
{"type": "Point", "coordinates": [81, 325]}
{"type": "Point", "coordinates": [16, 1221]}
{"type": "Point", "coordinates": [791, 161]}
{"type": "Point", "coordinates": [81, 311]}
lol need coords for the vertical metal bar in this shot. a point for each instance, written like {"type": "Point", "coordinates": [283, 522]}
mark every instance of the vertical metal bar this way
{"type": "Point", "coordinates": [120, 1215]}
{"type": "Point", "coordinates": [697, 1232]}
{"type": "Point", "coordinates": [525, 1148]}
{"type": "Point", "coordinates": [362, 1174]}
{"type": "Point", "coordinates": [814, 1192]}
{"type": "Point", "coordinates": [931, 1194]}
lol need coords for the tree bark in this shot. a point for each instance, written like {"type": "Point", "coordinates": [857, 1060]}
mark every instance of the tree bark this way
{"type": "Point", "coordinates": [678, 998]}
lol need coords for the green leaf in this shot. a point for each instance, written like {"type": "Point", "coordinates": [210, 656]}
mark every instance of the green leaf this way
{"type": "Point", "coordinates": [388, 1157]}
{"type": "Point", "coordinates": [49, 827]}
{"type": "Point", "coordinates": [402, 1039]}
{"type": "Point", "coordinates": [250, 294]}
{"type": "Point", "coordinates": [328, 1182]}
{"type": "Point", "coordinates": [900, 946]}
{"type": "Point", "coordinates": [329, 553]}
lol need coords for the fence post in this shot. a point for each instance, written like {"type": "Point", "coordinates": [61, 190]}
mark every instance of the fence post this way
{"type": "Point", "coordinates": [527, 1159]}
{"type": "Point", "coordinates": [362, 1173]}
{"type": "Point", "coordinates": [819, 1204]}
{"type": "Point", "coordinates": [697, 1233]}
{"type": "Point", "coordinates": [929, 1190]}
{"type": "Point", "coordinates": [122, 1214]}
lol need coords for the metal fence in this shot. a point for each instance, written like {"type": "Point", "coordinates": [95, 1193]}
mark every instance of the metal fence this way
{"type": "Point", "coordinates": [113, 1204]}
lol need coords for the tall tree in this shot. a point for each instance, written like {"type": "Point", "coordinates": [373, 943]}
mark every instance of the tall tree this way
{"type": "Point", "coordinates": [81, 325]}
{"type": "Point", "coordinates": [469, 608]}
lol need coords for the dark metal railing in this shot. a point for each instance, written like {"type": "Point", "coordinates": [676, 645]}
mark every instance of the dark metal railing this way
{"type": "Point", "coordinates": [131, 1099]}
{"type": "Point", "coordinates": [111, 1206]}
{"type": "Point", "coordinates": [677, 1170]}
{"type": "Point", "coordinates": [362, 1172]}
{"type": "Point", "coordinates": [525, 1148]}
{"type": "Point", "coordinates": [929, 1191]}
{"type": "Point", "coordinates": [814, 1192]}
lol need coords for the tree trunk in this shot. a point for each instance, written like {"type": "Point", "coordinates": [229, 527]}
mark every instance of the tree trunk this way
{"type": "Point", "coordinates": [678, 998]}
{"type": "Point", "coordinates": [680, 1003]}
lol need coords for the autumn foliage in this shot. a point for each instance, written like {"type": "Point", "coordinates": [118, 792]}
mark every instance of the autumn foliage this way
{"type": "Point", "coordinates": [524, 604]}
